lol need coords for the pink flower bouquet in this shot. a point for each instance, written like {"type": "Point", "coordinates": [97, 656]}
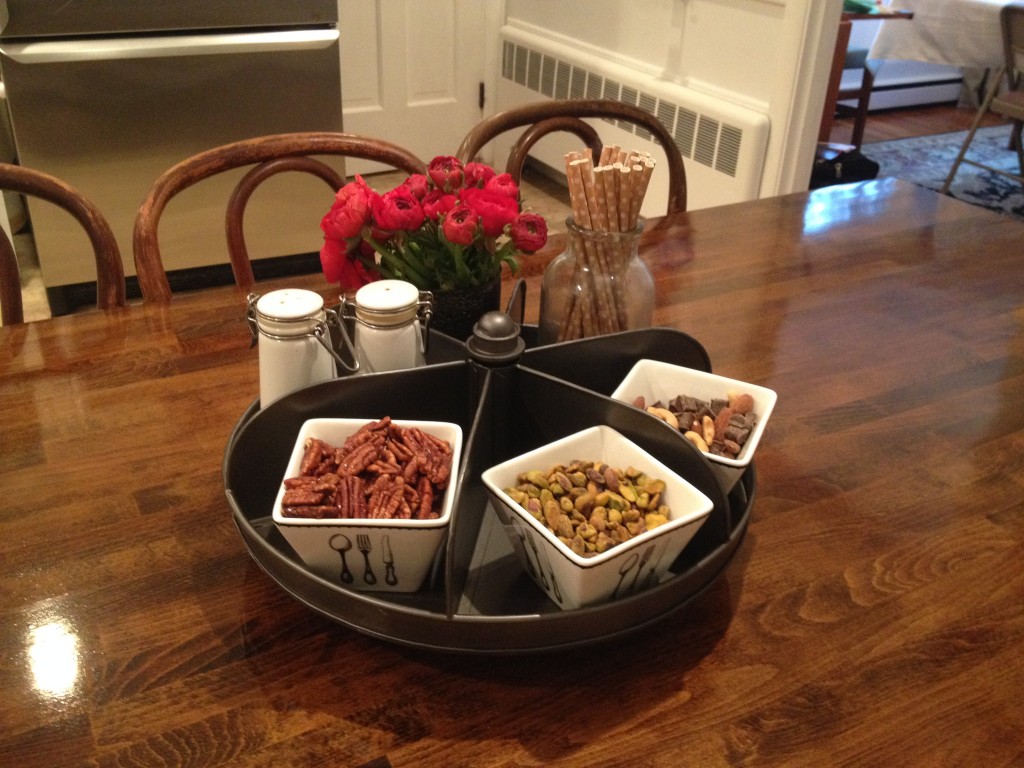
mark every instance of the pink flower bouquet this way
{"type": "Point", "coordinates": [450, 229]}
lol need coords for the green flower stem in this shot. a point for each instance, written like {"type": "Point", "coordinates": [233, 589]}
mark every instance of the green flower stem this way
{"type": "Point", "coordinates": [413, 259]}
{"type": "Point", "coordinates": [462, 273]}
{"type": "Point", "coordinates": [399, 266]}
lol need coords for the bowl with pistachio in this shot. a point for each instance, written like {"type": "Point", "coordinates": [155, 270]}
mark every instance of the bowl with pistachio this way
{"type": "Point", "coordinates": [593, 517]}
{"type": "Point", "coordinates": [725, 418]}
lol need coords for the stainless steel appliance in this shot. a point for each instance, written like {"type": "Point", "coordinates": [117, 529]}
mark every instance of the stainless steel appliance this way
{"type": "Point", "coordinates": [107, 94]}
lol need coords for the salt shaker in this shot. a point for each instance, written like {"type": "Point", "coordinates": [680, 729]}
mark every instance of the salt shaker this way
{"type": "Point", "coordinates": [388, 334]}
{"type": "Point", "coordinates": [294, 344]}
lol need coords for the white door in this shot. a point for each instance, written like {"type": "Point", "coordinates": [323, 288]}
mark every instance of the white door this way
{"type": "Point", "coordinates": [411, 72]}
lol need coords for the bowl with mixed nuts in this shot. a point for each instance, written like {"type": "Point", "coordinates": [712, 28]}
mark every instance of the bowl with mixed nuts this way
{"type": "Point", "coordinates": [593, 517]}
{"type": "Point", "coordinates": [725, 418]}
{"type": "Point", "coordinates": [366, 503]}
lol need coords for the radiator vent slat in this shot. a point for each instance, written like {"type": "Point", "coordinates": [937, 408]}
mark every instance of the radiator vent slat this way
{"type": "Point", "coordinates": [699, 137]}
{"type": "Point", "coordinates": [686, 129]}
{"type": "Point", "coordinates": [577, 84]}
{"type": "Point", "coordinates": [547, 76]}
{"type": "Point", "coordinates": [533, 71]}
{"type": "Point", "coordinates": [728, 150]}
{"type": "Point", "coordinates": [707, 133]}
{"type": "Point", "coordinates": [647, 103]}
{"type": "Point", "coordinates": [563, 76]}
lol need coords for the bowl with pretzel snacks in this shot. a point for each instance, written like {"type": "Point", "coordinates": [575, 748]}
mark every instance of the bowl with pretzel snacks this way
{"type": "Point", "coordinates": [366, 503]}
{"type": "Point", "coordinates": [593, 517]}
{"type": "Point", "coordinates": [725, 418]}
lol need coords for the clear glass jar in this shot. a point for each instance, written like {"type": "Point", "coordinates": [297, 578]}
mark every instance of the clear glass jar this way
{"type": "Point", "coordinates": [598, 285]}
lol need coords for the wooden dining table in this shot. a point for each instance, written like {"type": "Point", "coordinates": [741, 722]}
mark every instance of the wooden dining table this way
{"type": "Point", "coordinates": [872, 615]}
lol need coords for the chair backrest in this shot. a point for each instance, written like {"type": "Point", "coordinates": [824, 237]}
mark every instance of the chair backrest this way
{"type": "Point", "coordinates": [546, 117]}
{"type": "Point", "coordinates": [1011, 19]}
{"type": "Point", "coordinates": [269, 155]}
{"type": "Point", "coordinates": [110, 288]}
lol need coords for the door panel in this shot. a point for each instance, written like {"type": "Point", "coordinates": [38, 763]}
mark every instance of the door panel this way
{"type": "Point", "coordinates": [410, 72]}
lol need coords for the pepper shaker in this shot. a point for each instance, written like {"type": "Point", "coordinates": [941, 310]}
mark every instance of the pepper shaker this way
{"type": "Point", "coordinates": [388, 334]}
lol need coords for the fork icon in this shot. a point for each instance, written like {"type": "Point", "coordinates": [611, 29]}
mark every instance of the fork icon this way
{"type": "Point", "coordinates": [363, 543]}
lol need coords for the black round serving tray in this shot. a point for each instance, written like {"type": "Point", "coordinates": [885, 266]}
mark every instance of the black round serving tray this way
{"type": "Point", "coordinates": [478, 598]}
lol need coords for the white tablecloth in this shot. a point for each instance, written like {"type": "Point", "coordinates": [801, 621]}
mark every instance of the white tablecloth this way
{"type": "Point", "coordinates": [962, 33]}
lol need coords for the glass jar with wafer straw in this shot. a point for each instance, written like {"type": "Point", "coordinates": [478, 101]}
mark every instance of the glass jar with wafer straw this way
{"type": "Point", "coordinates": [600, 285]}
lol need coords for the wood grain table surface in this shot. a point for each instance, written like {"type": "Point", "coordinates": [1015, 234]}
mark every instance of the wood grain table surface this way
{"type": "Point", "coordinates": [873, 615]}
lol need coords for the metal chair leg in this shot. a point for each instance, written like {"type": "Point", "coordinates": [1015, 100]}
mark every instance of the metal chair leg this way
{"type": "Point", "coordinates": [1018, 143]}
{"type": "Point", "coordinates": [996, 81]}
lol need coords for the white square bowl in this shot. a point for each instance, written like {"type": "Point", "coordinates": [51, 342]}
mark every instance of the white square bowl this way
{"type": "Point", "coordinates": [573, 581]}
{"type": "Point", "coordinates": [657, 381]}
{"type": "Point", "coordinates": [398, 553]}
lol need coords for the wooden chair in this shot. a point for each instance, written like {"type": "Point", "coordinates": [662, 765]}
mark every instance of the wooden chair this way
{"type": "Point", "coordinates": [110, 288]}
{"type": "Point", "coordinates": [544, 117]}
{"type": "Point", "coordinates": [269, 155]}
{"type": "Point", "coordinates": [1008, 104]}
{"type": "Point", "coordinates": [861, 93]}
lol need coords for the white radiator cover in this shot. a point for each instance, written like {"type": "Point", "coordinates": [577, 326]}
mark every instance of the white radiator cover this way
{"type": "Point", "coordinates": [723, 144]}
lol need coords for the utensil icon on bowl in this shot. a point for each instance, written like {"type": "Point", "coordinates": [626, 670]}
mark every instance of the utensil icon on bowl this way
{"type": "Point", "coordinates": [625, 568]}
{"type": "Point", "coordinates": [341, 544]}
{"type": "Point", "coordinates": [389, 562]}
{"type": "Point", "coordinates": [540, 567]}
{"type": "Point", "coordinates": [643, 561]}
{"type": "Point", "coordinates": [363, 543]}
{"type": "Point", "coordinates": [518, 528]}
{"type": "Point", "coordinates": [551, 573]}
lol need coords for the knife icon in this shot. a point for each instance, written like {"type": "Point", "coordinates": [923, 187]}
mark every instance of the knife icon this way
{"type": "Point", "coordinates": [389, 562]}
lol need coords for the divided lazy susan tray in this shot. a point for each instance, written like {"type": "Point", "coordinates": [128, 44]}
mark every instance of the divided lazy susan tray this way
{"type": "Point", "coordinates": [478, 599]}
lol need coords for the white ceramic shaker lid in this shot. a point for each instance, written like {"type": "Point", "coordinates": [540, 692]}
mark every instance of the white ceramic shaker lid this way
{"type": "Point", "coordinates": [289, 311]}
{"type": "Point", "coordinates": [387, 302]}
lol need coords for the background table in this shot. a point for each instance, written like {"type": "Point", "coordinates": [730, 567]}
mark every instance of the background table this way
{"type": "Point", "coordinates": [960, 33]}
{"type": "Point", "coordinates": [871, 617]}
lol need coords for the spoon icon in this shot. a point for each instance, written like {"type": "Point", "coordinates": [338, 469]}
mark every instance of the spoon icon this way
{"type": "Point", "coordinates": [341, 544]}
{"type": "Point", "coordinates": [623, 570]}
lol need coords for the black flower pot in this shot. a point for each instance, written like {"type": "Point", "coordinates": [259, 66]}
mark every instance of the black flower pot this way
{"type": "Point", "coordinates": [456, 311]}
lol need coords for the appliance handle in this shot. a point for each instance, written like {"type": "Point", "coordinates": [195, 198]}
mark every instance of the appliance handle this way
{"type": "Point", "coordinates": [107, 49]}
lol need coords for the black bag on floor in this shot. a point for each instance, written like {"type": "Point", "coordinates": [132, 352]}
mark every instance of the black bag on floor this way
{"type": "Point", "coordinates": [842, 167]}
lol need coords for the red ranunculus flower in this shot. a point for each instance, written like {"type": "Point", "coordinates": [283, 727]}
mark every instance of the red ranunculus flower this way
{"type": "Point", "coordinates": [460, 225]}
{"type": "Point", "coordinates": [529, 232]}
{"type": "Point", "coordinates": [350, 211]}
{"type": "Point", "coordinates": [419, 185]}
{"type": "Point", "coordinates": [451, 227]}
{"type": "Point", "coordinates": [436, 202]}
{"type": "Point", "coordinates": [503, 183]}
{"type": "Point", "coordinates": [495, 209]}
{"type": "Point", "coordinates": [332, 254]}
{"type": "Point", "coordinates": [397, 210]}
{"type": "Point", "coordinates": [478, 174]}
{"type": "Point", "coordinates": [341, 265]}
{"type": "Point", "coordinates": [446, 173]}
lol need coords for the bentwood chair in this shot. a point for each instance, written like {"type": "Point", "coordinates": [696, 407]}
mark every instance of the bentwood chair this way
{"type": "Point", "coordinates": [269, 155]}
{"type": "Point", "coordinates": [1008, 103]}
{"type": "Point", "coordinates": [544, 117]}
{"type": "Point", "coordinates": [110, 287]}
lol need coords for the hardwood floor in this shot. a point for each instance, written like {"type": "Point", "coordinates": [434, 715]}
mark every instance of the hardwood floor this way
{"type": "Point", "coordinates": [909, 123]}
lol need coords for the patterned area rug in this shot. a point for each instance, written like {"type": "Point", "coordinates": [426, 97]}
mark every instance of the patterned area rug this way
{"type": "Point", "coordinates": [926, 161]}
